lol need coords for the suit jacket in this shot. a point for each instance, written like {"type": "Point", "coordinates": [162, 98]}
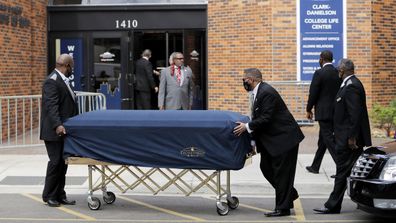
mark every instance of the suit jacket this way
{"type": "Point", "coordinates": [324, 87]}
{"type": "Point", "coordinates": [274, 128]}
{"type": "Point", "coordinates": [173, 96]}
{"type": "Point", "coordinates": [57, 105]}
{"type": "Point", "coordinates": [144, 75]}
{"type": "Point", "coordinates": [350, 115]}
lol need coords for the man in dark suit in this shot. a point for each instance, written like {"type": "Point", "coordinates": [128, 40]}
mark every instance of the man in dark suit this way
{"type": "Point", "coordinates": [144, 81]}
{"type": "Point", "coordinates": [277, 137]}
{"type": "Point", "coordinates": [324, 86]}
{"type": "Point", "coordinates": [58, 104]}
{"type": "Point", "coordinates": [351, 130]}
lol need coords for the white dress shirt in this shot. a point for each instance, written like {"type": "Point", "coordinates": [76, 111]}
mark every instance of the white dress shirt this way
{"type": "Point", "coordinates": [67, 82]}
{"type": "Point", "coordinates": [254, 93]}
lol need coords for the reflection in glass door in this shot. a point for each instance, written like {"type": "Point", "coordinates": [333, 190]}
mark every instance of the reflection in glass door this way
{"type": "Point", "coordinates": [195, 57]}
{"type": "Point", "coordinates": [107, 70]}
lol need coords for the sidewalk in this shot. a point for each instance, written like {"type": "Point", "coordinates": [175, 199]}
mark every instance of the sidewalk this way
{"type": "Point", "coordinates": [23, 170]}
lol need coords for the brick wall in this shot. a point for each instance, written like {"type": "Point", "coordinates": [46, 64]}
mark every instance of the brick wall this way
{"type": "Point", "coordinates": [262, 34]}
{"type": "Point", "coordinates": [239, 37]}
{"type": "Point", "coordinates": [359, 41]}
{"type": "Point", "coordinates": [23, 56]}
{"type": "Point", "coordinates": [383, 46]}
{"type": "Point", "coordinates": [23, 46]}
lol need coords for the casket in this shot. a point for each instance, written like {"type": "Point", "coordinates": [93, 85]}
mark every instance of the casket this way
{"type": "Point", "coordinates": [162, 139]}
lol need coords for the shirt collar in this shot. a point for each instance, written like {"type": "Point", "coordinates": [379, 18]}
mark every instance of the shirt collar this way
{"type": "Point", "coordinates": [64, 78]}
{"type": "Point", "coordinates": [345, 80]}
{"type": "Point", "coordinates": [327, 64]}
{"type": "Point", "coordinates": [255, 90]}
{"type": "Point", "coordinates": [177, 67]}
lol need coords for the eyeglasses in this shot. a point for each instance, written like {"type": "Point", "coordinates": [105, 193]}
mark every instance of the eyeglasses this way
{"type": "Point", "coordinates": [245, 79]}
{"type": "Point", "coordinates": [179, 58]}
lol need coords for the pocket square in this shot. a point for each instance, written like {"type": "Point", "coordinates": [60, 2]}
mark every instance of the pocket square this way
{"type": "Point", "coordinates": [338, 99]}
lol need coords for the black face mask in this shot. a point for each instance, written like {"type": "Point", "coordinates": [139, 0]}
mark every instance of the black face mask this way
{"type": "Point", "coordinates": [69, 72]}
{"type": "Point", "coordinates": [247, 86]}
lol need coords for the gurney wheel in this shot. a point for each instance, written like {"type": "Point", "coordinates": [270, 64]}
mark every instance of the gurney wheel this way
{"type": "Point", "coordinates": [94, 204]}
{"type": "Point", "coordinates": [109, 198]}
{"type": "Point", "coordinates": [233, 202]}
{"type": "Point", "coordinates": [222, 208]}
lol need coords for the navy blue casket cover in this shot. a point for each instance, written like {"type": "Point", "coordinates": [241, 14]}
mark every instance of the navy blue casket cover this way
{"type": "Point", "coordinates": [163, 139]}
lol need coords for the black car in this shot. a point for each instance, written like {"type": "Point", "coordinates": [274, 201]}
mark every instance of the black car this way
{"type": "Point", "coordinates": [372, 184]}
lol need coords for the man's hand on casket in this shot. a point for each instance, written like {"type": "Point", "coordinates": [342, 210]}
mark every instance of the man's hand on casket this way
{"type": "Point", "coordinates": [240, 128]}
{"type": "Point", "coordinates": [60, 130]}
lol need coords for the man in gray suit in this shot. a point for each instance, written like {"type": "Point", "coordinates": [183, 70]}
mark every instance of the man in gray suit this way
{"type": "Point", "coordinates": [176, 85]}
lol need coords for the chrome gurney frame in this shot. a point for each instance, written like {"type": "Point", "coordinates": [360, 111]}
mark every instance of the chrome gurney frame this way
{"type": "Point", "coordinates": [120, 176]}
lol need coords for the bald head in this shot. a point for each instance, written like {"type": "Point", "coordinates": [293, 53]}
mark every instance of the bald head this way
{"type": "Point", "coordinates": [65, 64]}
{"type": "Point", "coordinates": [64, 59]}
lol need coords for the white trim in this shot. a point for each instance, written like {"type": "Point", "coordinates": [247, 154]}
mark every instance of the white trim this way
{"type": "Point", "coordinates": [298, 78]}
{"type": "Point", "coordinates": [344, 15]}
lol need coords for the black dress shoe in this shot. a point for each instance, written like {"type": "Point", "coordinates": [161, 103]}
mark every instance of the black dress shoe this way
{"type": "Point", "coordinates": [278, 213]}
{"type": "Point", "coordinates": [325, 210]}
{"type": "Point", "coordinates": [295, 196]}
{"type": "Point", "coordinates": [311, 170]}
{"type": "Point", "coordinates": [53, 203]}
{"type": "Point", "coordinates": [65, 201]}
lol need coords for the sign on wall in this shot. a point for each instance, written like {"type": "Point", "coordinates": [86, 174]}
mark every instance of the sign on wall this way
{"type": "Point", "coordinates": [73, 47]}
{"type": "Point", "coordinates": [321, 26]}
{"type": "Point", "coordinates": [12, 15]}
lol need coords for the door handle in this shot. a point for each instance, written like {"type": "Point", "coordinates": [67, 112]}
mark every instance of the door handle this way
{"type": "Point", "coordinates": [131, 79]}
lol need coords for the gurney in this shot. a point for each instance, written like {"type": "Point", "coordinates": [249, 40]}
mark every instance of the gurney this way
{"type": "Point", "coordinates": [157, 150]}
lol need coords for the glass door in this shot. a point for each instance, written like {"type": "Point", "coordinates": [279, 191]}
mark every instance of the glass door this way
{"type": "Point", "coordinates": [194, 49]}
{"type": "Point", "coordinates": [162, 43]}
{"type": "Point", "coordinates": [156, 42]}
{"type": "Point", "coordinates": [110, 69]}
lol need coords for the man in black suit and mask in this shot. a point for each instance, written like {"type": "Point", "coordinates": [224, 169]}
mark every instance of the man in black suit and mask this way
{"type": "Point", "coordinates": [351, 131]}
{"type": "Point", "coordinates": [277, 137]}
{"type": "Point", "coordinates": [324, 86]}
{"type": "Point", "coordinates": [58, 104]}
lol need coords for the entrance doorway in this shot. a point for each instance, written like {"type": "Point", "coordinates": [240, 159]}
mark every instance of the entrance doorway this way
{"type": "Point", "coordinates": [113, 62]}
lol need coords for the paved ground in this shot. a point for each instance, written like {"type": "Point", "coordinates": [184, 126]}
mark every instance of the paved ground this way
{"type": "Point", "coordinates": [138, 208]}
{"type": "Point", "coordinates": [22, 172]}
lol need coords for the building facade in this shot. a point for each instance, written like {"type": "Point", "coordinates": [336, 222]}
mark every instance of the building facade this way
{"type": "Point", "coordinates": [219, 40]}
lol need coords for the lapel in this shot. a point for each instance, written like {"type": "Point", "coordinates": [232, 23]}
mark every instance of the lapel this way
{"type": "Point", "coordinates": [174, 74]}
{"type": "Point", "coordinates": [259, 90]}
{"type": "Point", "coordinates": [64, 85]}
{"type": "Point", "coordinates": [184, 75]}
{"type": "Point", "coordinates": [341, 91]}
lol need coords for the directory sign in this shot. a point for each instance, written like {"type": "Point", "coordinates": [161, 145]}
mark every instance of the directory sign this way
{"type": "Point", "coordinates": [321, 26]}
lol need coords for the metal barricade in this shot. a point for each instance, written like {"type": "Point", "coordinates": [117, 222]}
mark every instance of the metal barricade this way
{"type": "Point", "coordinates": [20, 117]}
{"type": "Point", "coordinates": [89, 101]}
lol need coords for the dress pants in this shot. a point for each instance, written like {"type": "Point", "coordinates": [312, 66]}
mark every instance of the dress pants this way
{"type": "Point", "coordinates": [326, 140]}
{"type": "Point", "coordinates": [55, 178]}
{"type": "Point", "coordinates": [346, 158]}
{"type": "Point", "coordinates": [280, 172]}
{"type": "Point", "coordinates": [143, 100]}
